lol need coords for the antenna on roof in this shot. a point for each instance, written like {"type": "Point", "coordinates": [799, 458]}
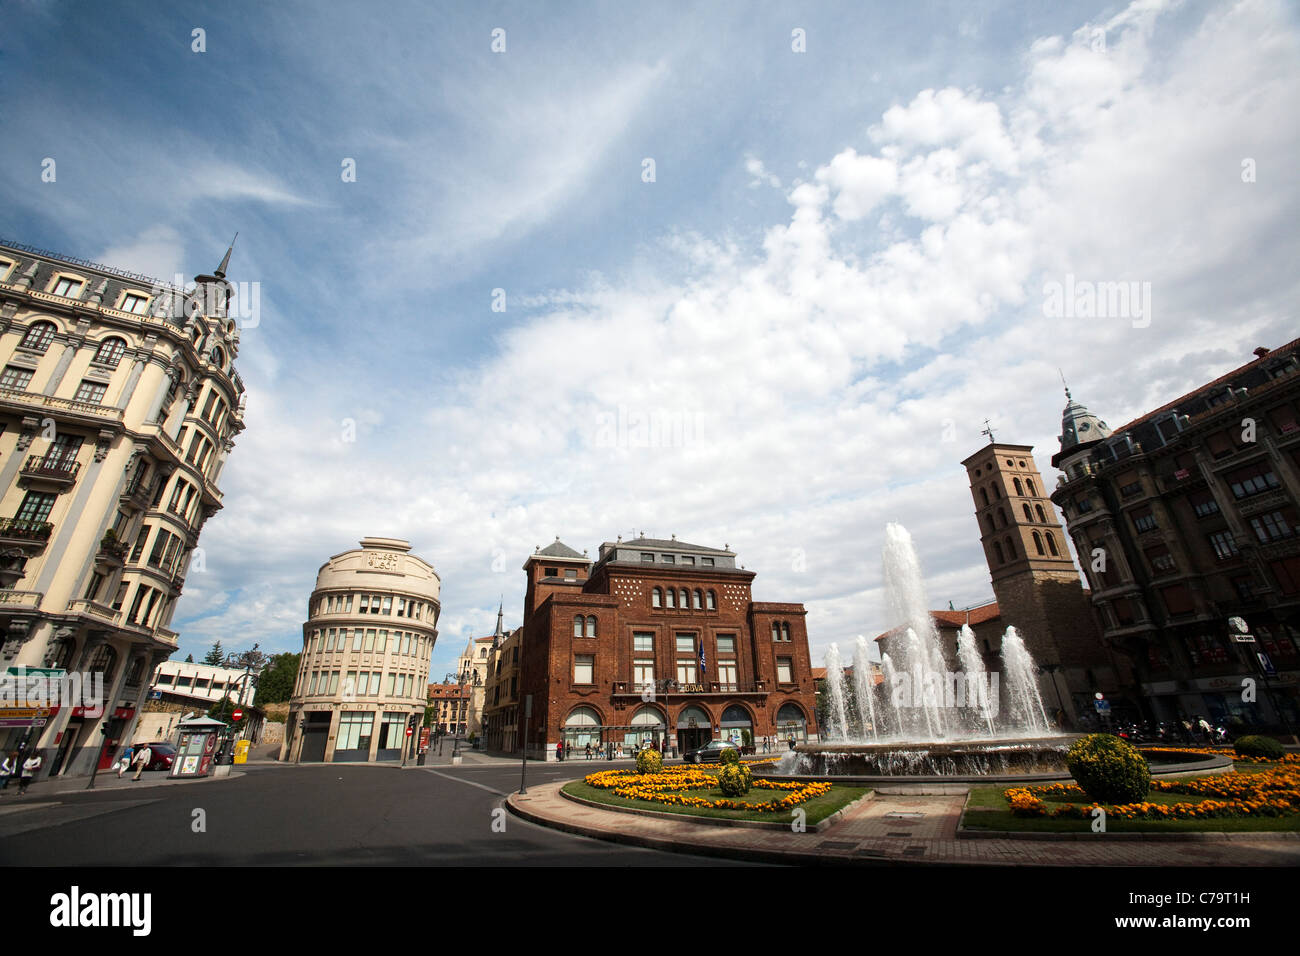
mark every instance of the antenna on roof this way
{"type": "Point", "coordinates": [988, 430]}
{"type": "Point", "coordinates": [1063, 382]}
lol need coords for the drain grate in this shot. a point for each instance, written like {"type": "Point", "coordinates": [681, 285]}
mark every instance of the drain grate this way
{"type": "Point", "coordinates": [914, 851]}
{"type": "Point", "coordinates": [836, 845]}
{"type": "Point", "coordinates": [902, 815]}
{"type": "Point", "coordinates": [903, 834]}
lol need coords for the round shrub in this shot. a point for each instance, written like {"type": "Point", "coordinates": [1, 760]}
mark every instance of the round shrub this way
{"type": "Point", "coordinates": [729, 756]}
{"type": "Point", "coordinates": [649, 761]}
{"type": "Point", "coordinates": [734, 779]}
{"type": "Point", "coordinates": [1108, 769]}
{"type": "Point", "coordinates": [1256, 745]}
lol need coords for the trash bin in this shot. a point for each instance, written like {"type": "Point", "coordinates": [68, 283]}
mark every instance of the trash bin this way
{"type": "Point", "coordinates": [241, 750]}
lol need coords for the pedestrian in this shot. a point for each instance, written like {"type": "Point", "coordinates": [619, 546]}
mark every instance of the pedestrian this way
{"type": "Point", "coordinates": [125, 761]}
{"type": "Point", "coordinates": [7, 769]}
{"type": "Point", "coordinates": [588, 749]}
{"type": "Point", "coordinates": [142, 758]}
{"type": "Point", "coordinates": [792, 741]}
{"type": "Point", "coordinates": [30, 766]}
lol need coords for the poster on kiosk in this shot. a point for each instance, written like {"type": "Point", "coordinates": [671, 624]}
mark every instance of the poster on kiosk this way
{"type": "Point", "coordinates": [196, 746]}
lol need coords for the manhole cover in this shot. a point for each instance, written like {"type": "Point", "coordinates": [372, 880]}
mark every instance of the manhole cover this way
{"type": "Point", "coordinates": [897, 815]}
{"type": "Point", "coordinates": [836, 845]}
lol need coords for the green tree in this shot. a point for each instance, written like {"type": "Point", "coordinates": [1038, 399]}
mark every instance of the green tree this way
{"type": "Point", "coordinates": [216, 656]}
{"type": "Point", "coordinates": [275, 685]}
{"type": "Point", "coordinates": [189, 658]}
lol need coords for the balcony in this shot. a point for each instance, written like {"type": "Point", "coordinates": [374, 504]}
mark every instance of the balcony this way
{"type": "Point", "coordinates": [29, 537]}
{"type": "Point", "coordinates": [674, 689]}
{"type": "Point", "coordinates": [98, 611]}
{"type": "Point", "coordinates": [28, 400]}
{"type": "Point", "coordinates": [21, 598]}
{"type": "Point", "coordinates": [112, 552]}
{"type": "Point", "coordinates": [58, 472]}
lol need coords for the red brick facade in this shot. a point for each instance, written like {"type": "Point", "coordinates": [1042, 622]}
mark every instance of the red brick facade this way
{"type": "Point", "coordinates": [587, 688]}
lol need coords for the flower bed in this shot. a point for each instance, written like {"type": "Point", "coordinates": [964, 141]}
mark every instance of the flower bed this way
{"type": "Point", "coordinates": [668, 788]}
{"type": "Point", "coordinates": [1270, 793]}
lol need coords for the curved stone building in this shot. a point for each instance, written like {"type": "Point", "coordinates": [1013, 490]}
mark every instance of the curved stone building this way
{"type": "Point", "coordinates": [371, 625]}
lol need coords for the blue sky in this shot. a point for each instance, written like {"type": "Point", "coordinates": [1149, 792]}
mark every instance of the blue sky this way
{"type": "Point", "coordinates": [835, 276]}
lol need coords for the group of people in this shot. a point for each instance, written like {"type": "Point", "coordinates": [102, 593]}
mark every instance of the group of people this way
{"type": "Point", "coordinates": [771, 743]}
{"type": "Point", "coordinates": [23, 767]}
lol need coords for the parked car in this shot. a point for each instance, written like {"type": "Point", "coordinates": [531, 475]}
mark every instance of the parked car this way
{"type": "Point", "coordinates": [710, 752]}
{"type": "Point", "coordinates": [161, 755]}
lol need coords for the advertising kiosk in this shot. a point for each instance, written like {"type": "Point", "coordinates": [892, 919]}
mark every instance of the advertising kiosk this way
{"type": "Point", "coordinates": [195, 746]}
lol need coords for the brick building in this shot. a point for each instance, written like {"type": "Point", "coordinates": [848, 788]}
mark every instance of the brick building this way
{"type": "Point", "coordinates": [1185, 519]}
{"type": "Point", "coordinates": [654, 641]}
{"type": "Point", "coordinates": [450, 704]}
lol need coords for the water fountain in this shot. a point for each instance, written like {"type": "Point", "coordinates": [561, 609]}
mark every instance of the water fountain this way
{"type": "Point", "coordinates": [926, 718]}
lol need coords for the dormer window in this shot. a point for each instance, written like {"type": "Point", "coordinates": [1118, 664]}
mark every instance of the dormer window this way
{"type": "Point", "coordinates": [68, 288]}
{"type": "Point", "coordinates": [135, 303]}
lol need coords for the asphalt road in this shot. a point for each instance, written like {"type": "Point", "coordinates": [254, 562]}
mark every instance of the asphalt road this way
{"type": "Point", "coordinates": [323, 815]}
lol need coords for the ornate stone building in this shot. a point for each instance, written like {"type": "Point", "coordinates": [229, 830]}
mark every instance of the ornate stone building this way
{"type": "Point", "coordinates": [364, 676]}
{"type": "Point", "coordinates": [119, 404]}
{"type": "Point", "coordinates": [1187, 525]}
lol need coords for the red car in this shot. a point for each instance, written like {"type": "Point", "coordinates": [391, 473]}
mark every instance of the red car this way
{"type": "Point", "coordinates": [161, 755]}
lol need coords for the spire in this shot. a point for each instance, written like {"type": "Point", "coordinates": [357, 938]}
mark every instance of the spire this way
{"type": "Point", "coordinates": [225, 260]}
{"type": "Point", "coordinates": [1068, 398]}
{"type": "Point", "coordinates": [1079, 427]}
{"type": "Point", "coordinates": [500, 632]}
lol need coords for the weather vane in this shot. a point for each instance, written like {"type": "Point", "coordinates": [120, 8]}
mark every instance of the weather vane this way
{"type": "Point", "coordinates": [988, 430]}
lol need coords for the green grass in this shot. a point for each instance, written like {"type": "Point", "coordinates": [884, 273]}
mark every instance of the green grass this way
{"type": "Point", "coordinates": [817, 809]}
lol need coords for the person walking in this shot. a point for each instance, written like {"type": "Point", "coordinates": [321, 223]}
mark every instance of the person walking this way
{"type": "Point", "coordinates": [142, 759]}
{"type": "Point", "coordinates": [30, 766]}
{"type": "Point", "coordinates": [588, 749]}
{"type": "Point", "coordinates": [125, 761]}
{"type": "Point", "coordinates": [7, 769]}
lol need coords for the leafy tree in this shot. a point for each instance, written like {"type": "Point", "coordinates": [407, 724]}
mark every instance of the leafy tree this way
{"type": "Point", "coordinates": [254, 660]}
{"type": "Point", "coordinates": [189, 658]}
{"type": "Point", "coordinates": [275, 684]}
{"type": "Point", "coordinates": [215, 656]}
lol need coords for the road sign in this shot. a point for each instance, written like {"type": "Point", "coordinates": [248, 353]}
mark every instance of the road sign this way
{"type": "Point", "coordinates": [1266, 664]}
{"type": "Point", "coordinates": [1103, 706]}
{"type": "Point", "coordinates": [238, 714]}
{"type": "Point", "coordinates": [1243, 638]}
{"type": "Point", "coordinates": [409, 731]}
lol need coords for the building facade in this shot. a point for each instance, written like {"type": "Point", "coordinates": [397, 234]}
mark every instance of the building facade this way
{"type": "Point", "coordinates": [1037, 586]}
{"type": "Point", "coordinates": [656, 641]}
{"type": "Point", "coordinates": [1186, 523]}
{"type": "Point", "coordinates": [450, 703]}
{"type": "Point", "coordinates": [119, 405]}
{"type": "Point", "coordinates": [182, 687]}
{"type": "Point", "coordinates": [372, 623]}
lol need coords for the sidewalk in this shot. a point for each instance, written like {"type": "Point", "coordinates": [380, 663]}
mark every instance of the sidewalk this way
{"type": "Point", "coordinates": [892, 829]}
{"type": "Point", "coordinates": [105, 780]}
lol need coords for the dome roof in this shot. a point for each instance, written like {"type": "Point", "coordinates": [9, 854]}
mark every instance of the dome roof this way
{"type": "Point", "coordinates": [1080, 426]}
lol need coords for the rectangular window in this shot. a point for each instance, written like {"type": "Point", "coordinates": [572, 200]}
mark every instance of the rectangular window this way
{"type": "Point", "coordinates": [643, 673]}
{"type": "Point", "coordinates": [92, 393]}
{"type": "Point", "coordinates": [686, 670]}
{"type": "Point", "coordinates": [311, 688]}
{"type": "Point", "coordinates": [1252, 480]}
{"type": "Point", "coordinates": [669, 559]}
{"type": "Point", "coordinates": [358, 638]}
{"type": "Point", "coordinates": [726, 643]}
{"type": "Point", "coordinates": [381, 643]}
{"type": "Point", "coordinates": [685, 644]}
{"type": "Point", "coordinates": [1271, 527]}
{"type": "Point", "coordinates": [1131, 489]}
{"type": "Point", "coordinates": [348, 607]}
{"type": "Point", "coordinates": [370, 641]}
{"type": "Point", "coordinates": [354, 730]}
{"type": "Point", "coordinates": [686, 559]}
{"type": "Point", "coordinates": [784, 671]}
{"type": "Point", "coordinates": [1223, 544]}
{"type": "Point", "coordinates": [331, 634]}
{"type": "Point", "coordinates": [1162, 562]}
{"type": "Point", "coordinates": [68, 288]}
{"type": "Point", "coordinates": [388, 604]}
{"type": "Point", "coordinates": [406, 644]}
{"type": "Point", "coordinates": [16, 378]}
{"type": "Point", "coordinates": [35, 509]}
{"type": "Point", "coordinates": [727, 675]}
{"type": "Point", "coordinates": [643, 642]}
{"type": "Point", "coordinates": [365, 604]}
{"type": "Point", "coordinates": [134, 303]}
{"type": "Point", "coordinates": [160, 543]}
{"type": "Point", "coordinates": [1143, 520]}
{"type": "Point", "coordinates": [706, 562]}
{"type": "Point", "coordinates": [392, 680]}
{"type": "Point", "coordinates": [647, 558]}
{"type": "Point", "coordinates": [1204, 504]}
{"type": "Point", "coordinates": [334, 683]}
{"type": "Point", "coordinates": [1083, 504]}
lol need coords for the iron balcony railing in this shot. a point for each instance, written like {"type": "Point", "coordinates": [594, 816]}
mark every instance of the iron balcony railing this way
{"type": "Point", "coordinates": [55, 469]}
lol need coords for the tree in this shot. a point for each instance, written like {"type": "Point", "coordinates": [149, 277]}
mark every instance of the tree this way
{"type": "Point", "coordinates": [275, 685]}
{"type": "Point", "coordinates": [189, 658]}
{"type": "Point", "coordinates": [254, 660]}
{"type": "Point", "coordinates": [215, 656]}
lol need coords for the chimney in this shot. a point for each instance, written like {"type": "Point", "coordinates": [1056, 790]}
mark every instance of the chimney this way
{"type": "Point", "coordinates": [1261, 352]}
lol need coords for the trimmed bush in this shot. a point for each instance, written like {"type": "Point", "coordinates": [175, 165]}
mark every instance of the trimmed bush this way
{"type": "Point", "coordinates": [1257, 745]}
{"type": "Point", "coordinates": [729, 756]}
{"type": "Point", "coordinates": [734, 779]}
{"type": "Point", "coordinates": [649, 761]}
{"type": "Point", "coordinates": [1108, 769]}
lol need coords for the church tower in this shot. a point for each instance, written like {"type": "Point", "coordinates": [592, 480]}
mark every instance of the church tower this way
{"type": "Point", "coordinates": [1038, 589]}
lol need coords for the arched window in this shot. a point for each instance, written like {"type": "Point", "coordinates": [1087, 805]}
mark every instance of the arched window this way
{"type": "Point", "coordinates": [785, 631]}
{"type": "Point", "coordinates": [1002, 518]}
{"type": "Point", "coordinates": [997, 492]}
{"type": "Point", "coordinates": [219, 358]}
{"type": "Point", "coordinates": [582, 727]}
{"type": "Point", "coordinates": [671, 596]}
{"type": "Point", "coordinates": [104, 661]}
{"type": "Point", "coordinates": [1038, 543]}
{"type": "Point", "coordinates": [698, 595]}
{"type": "Point", "coordinates": [1041, 517]}
{"type": "Point", "coordinates": [591, 627]}
{"type": "Point", "coordinates": [1051, 544]}
{"type": "Point", "coordinates": [1011, 548]}
{"type": "Point", "coordinates": [136, 673]}
{"type": "Point", "coordinates": [1020, 490]}
{"type": "Point", "coordinates": [984, 495]}
{"type": "Point", "coordinates": [577, 625]}
{"type": "Point", "coordinates": [711, 601]}
{"type": "Point", "coordinates": [110, 351]}
{"type": "Point", "coordinates": [1029, 515]}
{"type": "Point", "coordinates": [988, 519]}
{"type": "Point", "coordinates": [776, 631]}
{"type": "Point", "coordinates": [59, 653]}
{"type": "Point", "coordinates": [791, 722]}
{"type": "Point", "coordinates": [39, 336]}
{"type": "Point", "coordinates": [1029, 482]}
{"type": "Point", "coordinates": [686, 598]}
{"type": "Point", "coordinates": [656, 598]}
{"type": "Point", "coordinates": [997, 549]}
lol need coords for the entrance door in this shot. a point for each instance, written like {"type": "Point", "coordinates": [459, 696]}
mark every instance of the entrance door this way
{"type": "Point", "coordinates": [692, 738]}
{"type": "Point", "coordinates": [70, 735]}
{"type": "Point", "coordinates": [315, 735]}
{"type": "Point", "coordinates": [107, 751]}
